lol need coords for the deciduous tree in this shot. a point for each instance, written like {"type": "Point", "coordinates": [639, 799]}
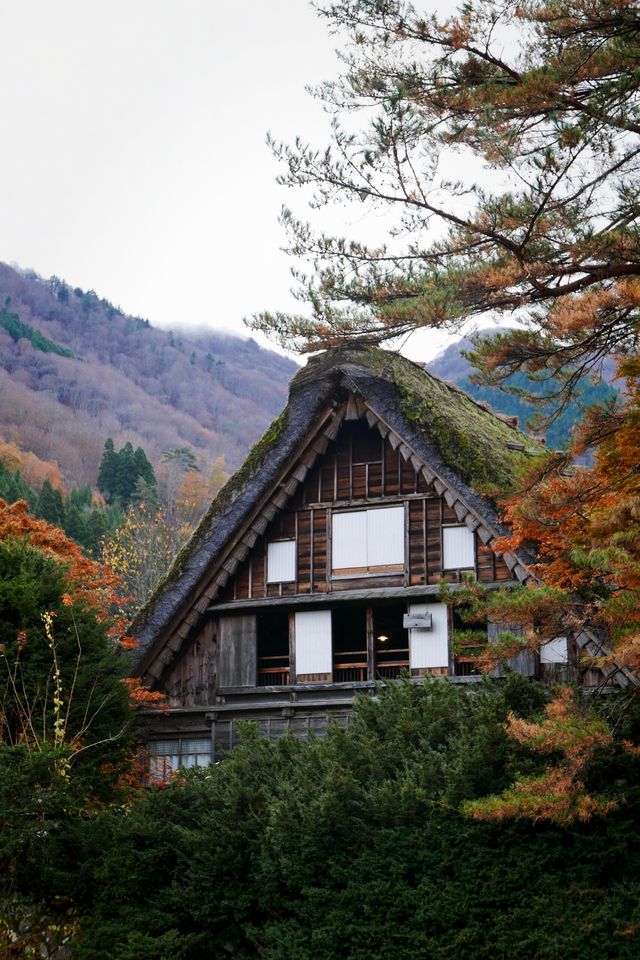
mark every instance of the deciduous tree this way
{"type": "Point", "coordinates": [159, 523]}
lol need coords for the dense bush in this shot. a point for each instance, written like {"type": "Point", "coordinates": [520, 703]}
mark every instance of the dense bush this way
{"type": "Point", "coordinates": [354, 847]}
{"type": "Point", "coordinates": [65, 720]}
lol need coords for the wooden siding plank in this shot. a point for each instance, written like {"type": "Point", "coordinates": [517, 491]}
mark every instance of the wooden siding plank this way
{"type": "Point", "coordinates": [237, 651]}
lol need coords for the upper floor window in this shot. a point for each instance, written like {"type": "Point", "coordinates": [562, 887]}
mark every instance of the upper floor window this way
{"type": "Point", "coordinates": [366, 445]}
{"type": "Point", "coordinates": [458, 548]}
{"type": "Point", "coordinates": [281, 561]}
{"type": "Point", "coordinates": [368, 541]}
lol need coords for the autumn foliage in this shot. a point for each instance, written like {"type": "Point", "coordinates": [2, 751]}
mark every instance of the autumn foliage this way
{"type": "Point", "coordinates": [558, 793]}
{"type": "Point", "coordinates": [34, 470]}
{"type": "Point", "coordinates": [94, 582]}
{"type": "Point", "coordinates": [584, 525]}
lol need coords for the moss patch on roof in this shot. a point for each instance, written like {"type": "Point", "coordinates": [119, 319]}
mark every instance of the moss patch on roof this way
{"type": "Point", "coordinates": [471, 440]}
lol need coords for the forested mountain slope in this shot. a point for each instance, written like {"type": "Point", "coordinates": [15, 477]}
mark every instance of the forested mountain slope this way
{"type": "Point", "coordinates": [74, 370]}
{"type": "Point", "coordinates": [451, 365]}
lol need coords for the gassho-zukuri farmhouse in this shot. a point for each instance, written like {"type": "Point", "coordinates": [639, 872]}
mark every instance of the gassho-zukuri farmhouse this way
{"type": "Point", "coordinates": [316, 572]}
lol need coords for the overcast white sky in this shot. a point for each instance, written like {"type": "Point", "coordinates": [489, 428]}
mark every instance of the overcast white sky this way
{"type": "Point", "coordinates": [133, 158]}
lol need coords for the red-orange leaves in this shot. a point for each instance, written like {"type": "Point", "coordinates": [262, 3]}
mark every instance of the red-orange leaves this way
{"type": "Point", "coordinates": [89, 580]}
{"type": "Point", "coordinates": [559, 793]}
{"type": "Point", "coordinates": [140, 696]}
{"type": "Point", "coordinates": [584, 524]}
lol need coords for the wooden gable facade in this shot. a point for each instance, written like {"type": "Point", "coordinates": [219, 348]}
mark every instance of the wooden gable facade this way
{"type": "Point", "coordinates": [318, 575]}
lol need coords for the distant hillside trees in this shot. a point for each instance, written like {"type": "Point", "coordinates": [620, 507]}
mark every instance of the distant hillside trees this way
{"type": "Point", "coordinates": [76, 513]}
{"type": "Point", "coordinates": [18, 330]}
{"type": "Point", "coordinates": [511, 399]}
{"type": "Point", "coordinates": [210, 392]}
{"type": "Point", "coordinates": [515, 396]}
{"type": "Point", "coordinates": [120, 471]}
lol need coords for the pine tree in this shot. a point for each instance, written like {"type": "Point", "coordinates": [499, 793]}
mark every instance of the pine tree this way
{"type": "Point", "coordinates": [107, 479]}
{"type": "Point", "coordinates": [143, 467]}
{"type": "Point", "coordinates": [546, 94]}
{"type": "Point", "coordinates": [125, 474]}
{"type": "Point", "coordinates": [50, 505]}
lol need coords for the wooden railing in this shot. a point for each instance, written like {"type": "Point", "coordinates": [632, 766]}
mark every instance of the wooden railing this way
{"type": "Point", "coordinates": [465, 667]}
{"type": "Point", "coordinates": [350, 666]}
{"type": "Point", "coordinates": [391, 669]}
{"type": "Point", "coordinates": [273, 672]}
{"type": "Point", "coordinates": [349, 672]}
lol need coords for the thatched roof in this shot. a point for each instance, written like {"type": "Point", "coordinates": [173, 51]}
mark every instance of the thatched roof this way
{"type": "Point", "coordinates": [472, 450]}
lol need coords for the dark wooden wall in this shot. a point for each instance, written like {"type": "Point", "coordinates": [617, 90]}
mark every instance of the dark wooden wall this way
{"type": "Point", "coordinates": [191, 679]}
{"type": "Point", "coordinates": [359, 469]}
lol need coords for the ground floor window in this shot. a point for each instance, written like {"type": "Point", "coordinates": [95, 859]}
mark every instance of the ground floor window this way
{"type": "Point", "coordinates": [168, 756]}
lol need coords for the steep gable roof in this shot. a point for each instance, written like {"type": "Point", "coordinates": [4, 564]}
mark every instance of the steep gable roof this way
{"type": "Point", "coordinates": [465, 450]}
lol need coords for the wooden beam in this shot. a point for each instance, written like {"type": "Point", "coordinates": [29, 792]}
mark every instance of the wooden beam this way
{"type": "Point", "coordinates": [460, 511]}
{"type": "Point", "coordinates": [371, 650]}
{"type": "Point", "coordinates": [345, 596]}
{"type": "Point", "coordinates": [484, 534]}
{"type": "Point", "coordinates": [285, 493]}
{"type": "Point", "coordinates": [320, 445]}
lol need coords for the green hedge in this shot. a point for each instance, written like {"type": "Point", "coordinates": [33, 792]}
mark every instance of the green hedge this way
{"type": "Point", "coordinates": [353, 847]}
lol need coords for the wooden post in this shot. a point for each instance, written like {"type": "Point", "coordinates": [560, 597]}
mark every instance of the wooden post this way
{"type": "Point", "coordinates": [371, 650]}
{"type": "Point", "coordinates": [292, 648]}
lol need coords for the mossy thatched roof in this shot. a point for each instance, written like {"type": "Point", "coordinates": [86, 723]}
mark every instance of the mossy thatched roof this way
{"type": "Point", "coordinates": [484, 449]}
{"type": "Point", "coordinates": [473, 450]}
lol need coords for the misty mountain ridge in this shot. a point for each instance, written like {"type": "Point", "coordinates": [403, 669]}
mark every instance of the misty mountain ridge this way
{"type": "Point", "coordinates": [75, 369]}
